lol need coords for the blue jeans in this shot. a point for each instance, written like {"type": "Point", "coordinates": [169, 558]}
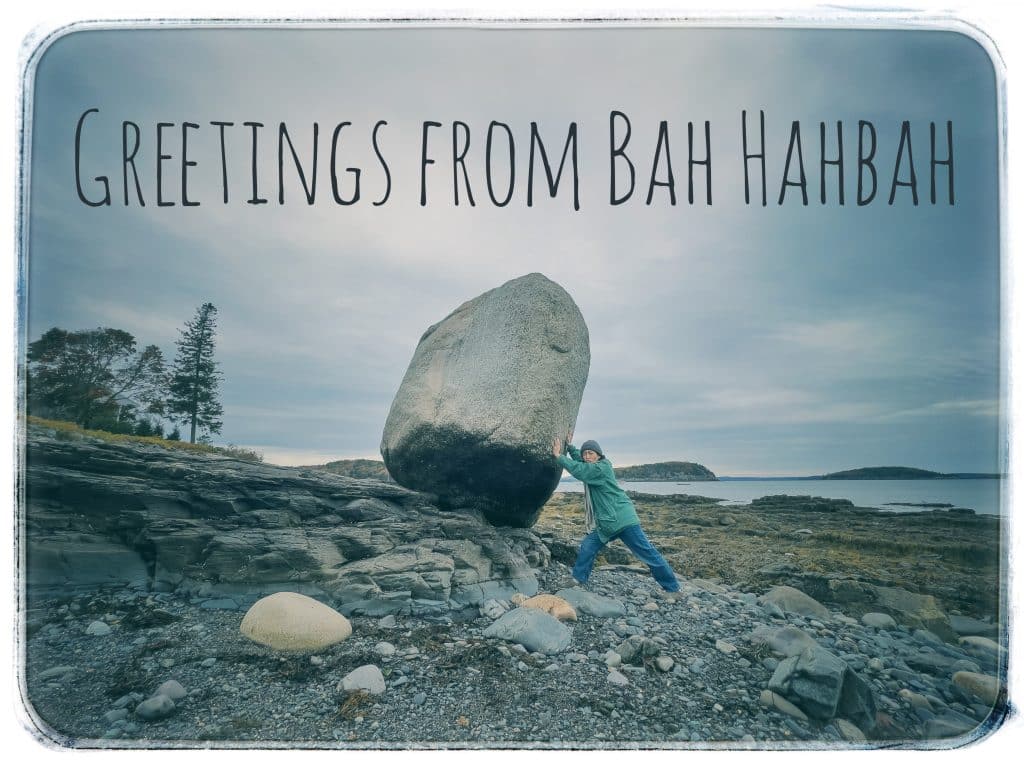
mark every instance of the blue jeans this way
{"type": "Point", "coordinates": [634, 538]}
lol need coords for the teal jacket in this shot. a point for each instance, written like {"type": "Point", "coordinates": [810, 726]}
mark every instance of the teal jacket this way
{"type": "Point", "coordinates": [613, 510]}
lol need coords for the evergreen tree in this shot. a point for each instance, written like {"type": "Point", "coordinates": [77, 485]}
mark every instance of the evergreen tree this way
{"type": "Point", "coordinates": [193, 387]}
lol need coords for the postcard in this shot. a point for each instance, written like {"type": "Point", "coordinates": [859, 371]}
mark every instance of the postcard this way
{"type": "Point", "coordinates": [502, 385]}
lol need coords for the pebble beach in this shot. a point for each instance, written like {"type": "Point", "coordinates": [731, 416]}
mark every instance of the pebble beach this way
{"type": "Point", "coordinates": [688, 670]}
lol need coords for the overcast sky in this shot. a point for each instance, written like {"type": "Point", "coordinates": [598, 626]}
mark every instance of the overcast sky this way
{"type": "Point", "coordinates": [776, 340]}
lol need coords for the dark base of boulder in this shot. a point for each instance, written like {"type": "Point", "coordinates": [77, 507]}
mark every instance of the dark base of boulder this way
{"type": "Point", "coordinates": [509, 485]}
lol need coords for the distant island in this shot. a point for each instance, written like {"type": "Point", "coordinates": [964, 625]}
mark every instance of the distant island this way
{"type": "Point", "coordinates": [665, 471]}
{"type": "Point", "coordinates": [679, 471]}
{"type": "Point", "coordinates": [901, 473]}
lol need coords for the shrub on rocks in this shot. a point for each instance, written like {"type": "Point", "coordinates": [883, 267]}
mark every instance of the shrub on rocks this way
{"type": "Point", "coordinates": [288, 621]}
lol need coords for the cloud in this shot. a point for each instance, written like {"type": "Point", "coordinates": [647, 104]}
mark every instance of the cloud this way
{"type": "Point", "coordinates": [745, 334]}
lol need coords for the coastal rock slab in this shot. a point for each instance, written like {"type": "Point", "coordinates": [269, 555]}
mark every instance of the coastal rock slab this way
{"type": "Point", "coordinates": [79, 560]}
{"type": "Point", "coordinates": [793, 600]}
{"type": "Point", "coordinates": [230, 531]}
{"type": "Point", "coordinates": [488, 389]}
{"type": "Point", "coordinates": [288, 621]}
{"type": "Point", "coordinates": [591, 604]}
{"type": "Point", "coordinates": [535, 630]}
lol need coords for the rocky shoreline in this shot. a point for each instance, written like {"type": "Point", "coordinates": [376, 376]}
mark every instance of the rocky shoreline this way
{"type": "Point", "coordinates": [700, 669]}
{"type": "Point", "coordinates": [801, 622]}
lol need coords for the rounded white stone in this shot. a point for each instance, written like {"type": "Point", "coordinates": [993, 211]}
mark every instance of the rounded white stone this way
{"type": "Point", "coordinates": [98, 628]}
{"type": "Point", "coordinates": [365, 678]}
{"type": "Point", "coordinates": [384, 650]}
{"type": "Point", "coordinates": [288, 621]}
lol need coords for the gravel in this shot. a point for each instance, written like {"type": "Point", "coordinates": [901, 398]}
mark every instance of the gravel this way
{"type": "Point", "coordinates": [447, 685]}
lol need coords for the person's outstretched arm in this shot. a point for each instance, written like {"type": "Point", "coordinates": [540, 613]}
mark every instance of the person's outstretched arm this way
{"type": "Point", "coordinates": [581, 470]}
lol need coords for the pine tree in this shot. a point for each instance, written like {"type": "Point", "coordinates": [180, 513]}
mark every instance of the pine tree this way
{"type": "Point", "coordinates": [193, 396]}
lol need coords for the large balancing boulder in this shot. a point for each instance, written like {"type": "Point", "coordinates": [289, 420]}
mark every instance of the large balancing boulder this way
{"type": "Point", "coordinates": [488, 389]}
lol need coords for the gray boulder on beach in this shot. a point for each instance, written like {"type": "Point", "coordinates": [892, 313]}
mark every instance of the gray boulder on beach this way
{"type": "Point", "coordinates": [367, 678]}
{"type": "Point", "coordinates": [535, 630]}
{"type": "Point", "coordinates": [823, 685]}
{"type": "Point", "coordinates": [155, 707]}
{"type": "Point", "coordinates": [782, 641]}
{"type": "Point", "coordinates": [488, 389]}
{"type": "Point", "coordinates": [793, 600]}
{"type": "Point", "coordinates": [585, 601]}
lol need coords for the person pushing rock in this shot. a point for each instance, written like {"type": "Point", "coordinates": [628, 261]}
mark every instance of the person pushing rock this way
{"type": "Point", "coordinates": [610, 513]}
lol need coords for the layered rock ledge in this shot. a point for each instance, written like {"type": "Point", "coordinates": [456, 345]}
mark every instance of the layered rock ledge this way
{"type": "Point", "coordinates": [100, 514]}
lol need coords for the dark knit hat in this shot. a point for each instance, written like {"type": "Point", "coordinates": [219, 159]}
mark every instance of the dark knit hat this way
{"type": "Point", "coordinates": [591, 445]}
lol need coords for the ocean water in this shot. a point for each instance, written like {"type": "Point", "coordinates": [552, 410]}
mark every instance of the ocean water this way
{"type": "Point", "coordinates": [983, 496]}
